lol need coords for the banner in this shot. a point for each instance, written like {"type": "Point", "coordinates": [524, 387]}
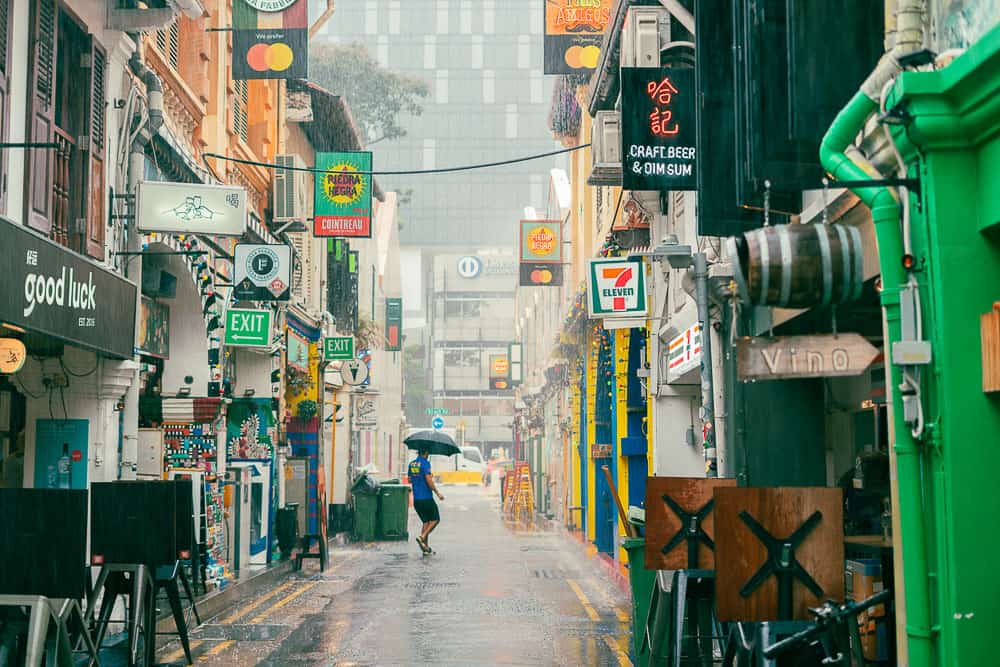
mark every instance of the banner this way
{"type": "Point", "coordinates": [617, 288]}
{"type": "Point", "coordinates": [658, 128]}
{"type": "Point", "coordinates": [270, 39]}
{"type": "Point", "coordinates": [393, 325]}
{"type": "Point", "coordinates": [541, 253]}
{"type": "Point", "coordinates": [574, 30]}
{"type": "Point", "coordinates": [343, 198]}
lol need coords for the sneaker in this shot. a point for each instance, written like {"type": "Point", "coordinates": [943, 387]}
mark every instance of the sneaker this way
{"type": "Point", "coordinates": [423, 545]}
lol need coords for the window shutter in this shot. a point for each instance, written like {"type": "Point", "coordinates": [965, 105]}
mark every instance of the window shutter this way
{"type": "Point", "coordinates": [41, 115]}
{"type": "Point", "coordinates": [95, 198]}
{"type": "Point", "coordinates": [4, 87]}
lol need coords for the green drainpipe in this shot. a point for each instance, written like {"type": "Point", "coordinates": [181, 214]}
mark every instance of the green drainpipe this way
{"type": "Point", "coordinates": [886, 216]}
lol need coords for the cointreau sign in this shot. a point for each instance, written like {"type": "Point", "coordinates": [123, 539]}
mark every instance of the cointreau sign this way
{"type": "Point", "coordinates": [659, 149]}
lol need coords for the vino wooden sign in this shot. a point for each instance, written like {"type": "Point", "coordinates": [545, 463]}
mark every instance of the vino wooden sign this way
{"type": "Point", "coordinates": [784, 357]}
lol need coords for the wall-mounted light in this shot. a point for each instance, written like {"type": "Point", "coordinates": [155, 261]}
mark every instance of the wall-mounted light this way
{"type": "Point", "coordinates": [183, 392]}
{"type": "Point", "coordinates": [247, 393]}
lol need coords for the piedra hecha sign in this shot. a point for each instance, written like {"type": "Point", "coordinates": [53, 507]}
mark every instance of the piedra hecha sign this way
{"type": "Point", "coordinates": [794, 357]}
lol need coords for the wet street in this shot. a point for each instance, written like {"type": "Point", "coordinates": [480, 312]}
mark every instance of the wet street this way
{"type": "Point", "coordinates": [491, 594]}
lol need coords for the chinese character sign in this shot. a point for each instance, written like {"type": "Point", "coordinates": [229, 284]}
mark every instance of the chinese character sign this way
{"type": "Point", "coordinates": [343, 195]}
{"type": "Point", "coordinates": [658, 128]}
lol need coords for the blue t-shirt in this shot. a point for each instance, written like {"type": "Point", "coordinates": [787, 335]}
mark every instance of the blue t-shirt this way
{"type": "Point", "coordinates": [419, 468]}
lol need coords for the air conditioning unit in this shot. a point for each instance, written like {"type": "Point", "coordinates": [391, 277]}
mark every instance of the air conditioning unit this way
{"type": "Point", "coordinates": [291, 190]}
{"type": "Point", "coordinates": [641, 37]}
{"type": "Point", "coordinates": [606, 148]}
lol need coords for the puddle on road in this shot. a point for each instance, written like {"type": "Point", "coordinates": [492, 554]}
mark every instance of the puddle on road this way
{"type": "Point", "coordinates": [259, 632]}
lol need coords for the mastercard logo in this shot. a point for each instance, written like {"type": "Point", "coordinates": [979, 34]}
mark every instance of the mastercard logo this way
{"type": "Point", "coordinates": [275, 57]}
{"type": "Point", "coordinates": [582, 57]}
{"type": "Point", "coordinates": [541, 276]}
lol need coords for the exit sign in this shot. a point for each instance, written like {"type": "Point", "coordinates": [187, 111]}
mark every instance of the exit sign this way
{"type": "Point", "coordinates": [338, 348]}
{"type": "Point", "coordinates": [248, 328]}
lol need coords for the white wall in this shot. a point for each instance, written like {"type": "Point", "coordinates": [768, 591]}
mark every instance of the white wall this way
{"type": "Point", "coordinates": [188, 340]}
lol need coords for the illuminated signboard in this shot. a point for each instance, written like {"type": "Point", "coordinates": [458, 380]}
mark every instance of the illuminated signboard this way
{"type": "Point", "coordinates": [658, 128]}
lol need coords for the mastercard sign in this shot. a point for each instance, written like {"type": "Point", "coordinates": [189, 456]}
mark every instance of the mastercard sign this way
{"type": "Point", "coordinates": [270, 39]}
{"type": "Point", "coordinates": [573, 33]}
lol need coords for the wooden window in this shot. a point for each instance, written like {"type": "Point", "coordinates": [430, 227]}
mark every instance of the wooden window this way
{"type": "Point", "coordinates": [168, 43]}
{"type": "Point", "coordinates": [64, 187]}
{"type": "Point", "coordinates": [41, 116]}
{"type": "Point", "coordinates": [4, 83]}
{"type": "Point", "coordinates": [241, 93]}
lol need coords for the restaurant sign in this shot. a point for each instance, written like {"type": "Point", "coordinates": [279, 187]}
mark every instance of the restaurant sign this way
{"type": "Point", "coordinates": [62, 294]}
{"type": "Point", "coordinates": [658, 128]}
{"type": "Point", "coordinates": [343, 195]}
{"type": "Point", "coordinates": [191, 208]}
{"type": "Point", "coordinates": [573, 33]}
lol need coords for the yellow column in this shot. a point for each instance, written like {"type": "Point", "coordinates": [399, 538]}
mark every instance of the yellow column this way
{"type": "Point", "coordinates": [574, 453]}
{"type": "Point", "coordinates": [593, 343]}
{"type": "Point", "coordinates": [650, 332]}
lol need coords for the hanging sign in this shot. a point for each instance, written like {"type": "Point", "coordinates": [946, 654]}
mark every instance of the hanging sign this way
{"type": "Point", "coordinates": [365, 413]}
{"type": "Point", "coordinates": [270, 39]}
{"type": "Point", "coordinates": [658, 128]}
{"type": "Point", "coordinates": [262, 272]}
{"type": "Point", "coordinates": [343, 196]}
{"type": "Point", "coordinates": [54, 291]}
{"type": "Point", "coordinates": [12, 355]}
{"type": "Point", "coordinates": [248, 328]}
{"type": "Point", "coordinates": [191, 208]}
{"type": "Point", "coordinates": [338, 348]}
{"type": "Point", "coordinates": [573, 33]}
{"type": "Point", "coordinates": [393, 324]}
{"type": "Point", "coordinates": [684, 353]}
{"type": "Point", "coordinates": [354, 372]}
{"type": "Point", "coordinates": [541, 253]}
{"type": "Point", "coordinates": [786, 357]}
{"type": "Point", "coordinates": [499, 371]}
{"type": "Point", "coordinates": [617, 287]}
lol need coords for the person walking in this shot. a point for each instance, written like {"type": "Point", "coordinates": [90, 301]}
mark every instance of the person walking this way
{"type": "Point", "coordinates": [424, 490]}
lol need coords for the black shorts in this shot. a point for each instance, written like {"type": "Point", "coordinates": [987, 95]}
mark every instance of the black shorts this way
{"type": "Point", "coordinates": [427, 510]}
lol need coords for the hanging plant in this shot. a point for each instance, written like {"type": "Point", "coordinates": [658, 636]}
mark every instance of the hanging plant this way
{"type": "Point", "coordinates": [564, 112]}
{"type": "Point", "coordinates": [307, 409]}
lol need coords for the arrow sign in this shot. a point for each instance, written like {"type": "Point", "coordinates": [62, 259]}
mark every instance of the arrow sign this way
{"type": "Point", "coordinates": [437, 423]}
{"type": "Point", "coordinates": [248, 327]}
{"type": "Point", "coordinates": [786, 357]}
{"type": "Point", "coordinates": [354, 372]}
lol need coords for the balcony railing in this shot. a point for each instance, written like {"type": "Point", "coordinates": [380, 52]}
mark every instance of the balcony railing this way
{"type": "Point", "coordinates": [62, 187]}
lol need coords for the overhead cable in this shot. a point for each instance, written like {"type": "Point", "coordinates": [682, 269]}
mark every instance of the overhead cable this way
{"type": "Point", "coordinates": [400, 172]}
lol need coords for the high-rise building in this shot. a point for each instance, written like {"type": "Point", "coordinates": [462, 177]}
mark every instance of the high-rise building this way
{"type": "Point", "coordinates": [488, 102]}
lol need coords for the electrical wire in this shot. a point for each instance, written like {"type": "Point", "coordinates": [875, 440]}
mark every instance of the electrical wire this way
{"type": "Point", "coordinates": [398, 172]}
{"type": "Point", "coordinates": [63, 365]}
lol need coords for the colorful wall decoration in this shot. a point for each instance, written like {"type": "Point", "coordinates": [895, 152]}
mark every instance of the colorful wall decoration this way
{"type": "Point", "coordinates": [250, 429]}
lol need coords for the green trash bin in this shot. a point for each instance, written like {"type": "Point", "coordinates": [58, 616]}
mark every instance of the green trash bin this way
{"type": "Point", "coordinates": [641, 581]}
{"type": "Point", "coordinates": [365, 517]}
{"type": "Point", "coordinates": [393, 511]}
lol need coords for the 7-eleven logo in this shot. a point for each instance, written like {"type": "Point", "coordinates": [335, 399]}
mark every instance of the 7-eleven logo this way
{"type": "Point", "coordinates": [621, 278]}
{"type": "Point", "coordinates": [617, 287]}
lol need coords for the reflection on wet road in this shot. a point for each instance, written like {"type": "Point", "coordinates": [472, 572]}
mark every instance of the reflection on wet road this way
{"type": "Point", "coordinates": [491, 595]}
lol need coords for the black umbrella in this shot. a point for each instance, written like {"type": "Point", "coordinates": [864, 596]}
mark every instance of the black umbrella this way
{"type": "Point", "coordinates": [434, 442]}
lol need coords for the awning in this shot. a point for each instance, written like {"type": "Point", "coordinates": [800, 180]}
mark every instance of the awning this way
{"type": "Point", "coordinates": [179, 410]}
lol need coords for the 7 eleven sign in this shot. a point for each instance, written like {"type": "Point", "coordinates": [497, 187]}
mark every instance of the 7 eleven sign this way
{"type": "Point", "coordinates": [617, 288]}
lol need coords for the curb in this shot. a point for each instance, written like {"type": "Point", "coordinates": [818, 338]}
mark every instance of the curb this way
{"type": "Point", "coordinates": [611, 568]}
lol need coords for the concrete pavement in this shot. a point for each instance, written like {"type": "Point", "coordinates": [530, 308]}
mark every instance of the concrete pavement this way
{"type": "Point", "coordinates": [493, 594]}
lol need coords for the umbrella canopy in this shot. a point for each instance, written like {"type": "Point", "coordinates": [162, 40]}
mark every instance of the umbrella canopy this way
{"type": "Point", "coordinates": [434, 442]}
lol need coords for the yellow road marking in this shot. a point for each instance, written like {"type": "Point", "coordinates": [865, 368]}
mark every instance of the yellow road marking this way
{"type": "Point", "coordinates": [283, 601]}
{"type": "Point", "coordinates": [623, 660]}
{"type": "Point", "coordinates": [179, 653]}
{"type": "Point", "coordinates": [264, 598]}
{"type": "Point", "coordinates": [216, 650]}
{"type": "Point", "coordinates": [591, 612]}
